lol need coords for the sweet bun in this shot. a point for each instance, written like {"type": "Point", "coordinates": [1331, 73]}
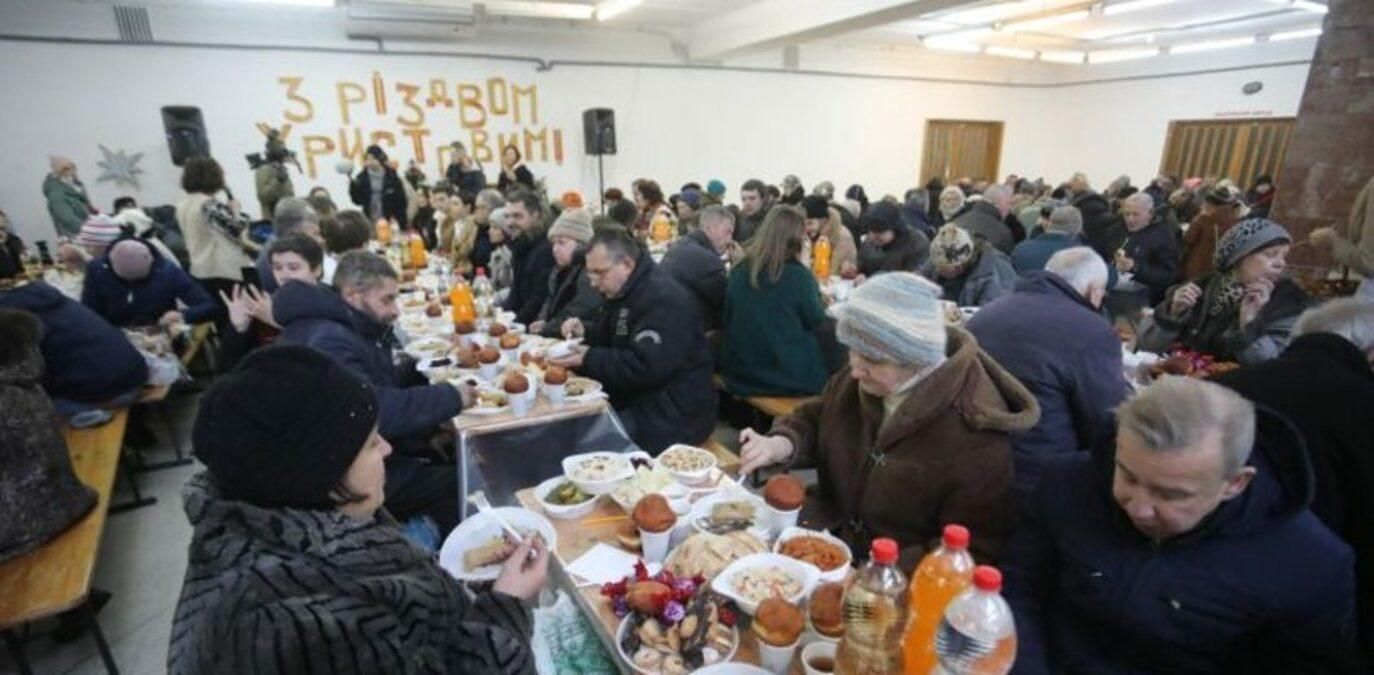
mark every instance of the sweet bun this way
{"type": "Point", "coordinates": [556, 375]}
{"type": "Point", "coordinates": [488, 355]}
{"type": "Point", "coordinates": [434, 310]}
{"type": "Point", "coordinates": [778, 622]}
{"type": "Point", "coordinates": [653, 514]}
{"type": "Point", "coordinates": [784, 493]}
{"type": "Point", "coordinates": [465, 327]}
{"type": "Point", "coordinates": [510, 341]}
{"type": "Point", "coordinates": [516, 383]}
{"type": "Point", "coordinates": [497, 330]}
{"type": "Point", "coordinates": [827, 609]}
{"type": "Point", "coordinates": [467, 359]}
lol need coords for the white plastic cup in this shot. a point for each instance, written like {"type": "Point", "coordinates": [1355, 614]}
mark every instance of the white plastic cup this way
{"type": "Point", "coordinates": [489, 371]}
{"type": "Point", "coordinates": [520, 404]}
{"type": "Point", "coordinates": [654, 545]}
{"type": "Point", "coordinates": [817, 650]}
{"type": "Point", "coordinates": [555, 393]}
{"type": "Point", "coordinates": [781, 520]}
{"type": "Point", "coordinates": [777, 659]}
{"type": "Point", "coordinates": [511, 356]}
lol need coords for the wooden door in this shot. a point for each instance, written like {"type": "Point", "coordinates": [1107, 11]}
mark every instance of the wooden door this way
{"type": "Point", "coordinates": [957, 149]}
{"type": "Point", "coordinates": [1235, 149]}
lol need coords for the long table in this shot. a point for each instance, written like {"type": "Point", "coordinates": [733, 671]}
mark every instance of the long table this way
{"type": "Point", "coordinates": [576, 538]}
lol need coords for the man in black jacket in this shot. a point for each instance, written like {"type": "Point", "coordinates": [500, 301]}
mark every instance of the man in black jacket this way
{"type": "Point", "coordinates": [695, 261]}
{"type": "Point", "coordinates": [890, 246]}
{"type": "Point", "coordinates": [377, 190]}
{"type": "Point", "coordinates": [1324, 385]}
{"type": "Point", "coordinates": [647, 347]}
{"type": "Point", "coordinates": [531, 256]}
{"type": "Point", "coordinates": [984, 218]}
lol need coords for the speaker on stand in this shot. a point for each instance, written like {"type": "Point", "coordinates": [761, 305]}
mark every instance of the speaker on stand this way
{"type": "Point", "coordinates": [598, 134]}
{"type": "Point", "coordinates": [185, 129]}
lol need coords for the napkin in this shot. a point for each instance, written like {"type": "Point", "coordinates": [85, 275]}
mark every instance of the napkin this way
{"type": "Point", "coordinates": [605, 564]}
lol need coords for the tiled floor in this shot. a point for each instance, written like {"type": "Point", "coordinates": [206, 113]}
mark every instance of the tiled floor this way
{"type": "Point", "coordinates": [142, 561]}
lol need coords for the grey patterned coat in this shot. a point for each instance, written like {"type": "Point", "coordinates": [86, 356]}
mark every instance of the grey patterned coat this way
{"type": "Point", "coordinates": [39, 495]}
{"type": "Point", "coordinates": [294, 591]}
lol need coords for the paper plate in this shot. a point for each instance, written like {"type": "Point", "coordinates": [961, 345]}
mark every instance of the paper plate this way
{"type": "Point", "coordinates": [480, 528]}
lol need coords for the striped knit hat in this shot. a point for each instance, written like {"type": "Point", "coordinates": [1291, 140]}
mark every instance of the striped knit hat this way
{"type": "Point", "coordinates": [1246, 237]}
{"type": "Point", "coordinates": [99, 231]}
{"type": "Point", "coordinates": [894, 317]}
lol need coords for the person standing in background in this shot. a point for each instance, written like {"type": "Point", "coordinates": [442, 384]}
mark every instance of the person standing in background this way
{"type": "Point", "coordinates": [1354, 246]}
{"type": "Point", "coordinates": [514, 173]}
{"type": "Point", "coordinates": [464, 173]}
{"type": "Point", "coordinates": [378, 190]}
{"type": "Point", "coordinates": [11, 250]}
{"type": "Point", "coordinates": [68, 203]}
{"type": "Point", "coordinates": [272, 180]}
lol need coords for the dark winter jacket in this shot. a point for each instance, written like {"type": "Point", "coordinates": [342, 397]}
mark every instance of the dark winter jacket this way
{"type": "Point", "coordinates": [942, 457]}
{"type": "Point", "coordinates": [1218, 332]}
{"type": "Point", "coordinates": [746, 225]}
{"type": "Point", "coordinates": [1258, 587]}
{"type": "Point", "coordinates": [1154, 250]}
{"type": "Point", "coordinates": [467, 183]}
{"type": "Point", "coordinates": [983, 221]}
{"type": "Point", "coordinates": [770, 346]}
{"type": "Point", "coordinates": [88, 360]}
{"type": "Point", "coordinates": [1026, 333]}
{"type": "Point", "coordinates": [1324, 385]}
{"type": "Point", "coordinates": [1034, 253]}
{"type": "Point", "coordinates": [394, 202]}
{"type": "Point", "coordinates": [693, 261]}
{"type": "Point", "coordinates": [570, 295]}
{"type": "Point", "coordinates": [11, 257]}
{"type": "Point", "coordinates": [39, 494]}
{"type": "Point", "coordinates": [287, 591]}
{"type": "Point", "coordinates": [524, 179]}
{"type": "Point", "coordinates": [648, 349]}
{"type": "Point", "coordinates": [531, 263]}
{"type": "Point", "coordinates": [143, 302]}
{"type": "Point", "coordinates": [907, 252]}
{"type": "Point", "coordinates": [315, 316]}
{"type": "Point", "coordinates": [989, 278]}
{"type": "Point", "coordinates": [1099, 224]}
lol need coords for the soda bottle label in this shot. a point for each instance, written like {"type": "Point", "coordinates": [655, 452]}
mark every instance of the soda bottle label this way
{"type": "Point", "coordinates": [959, 651]}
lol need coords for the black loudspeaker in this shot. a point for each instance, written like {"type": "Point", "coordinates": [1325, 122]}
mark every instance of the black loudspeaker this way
{"type": "Point", "coordinates": [185, 128]}
{"type": "Point", "coordinates": [598, 131]}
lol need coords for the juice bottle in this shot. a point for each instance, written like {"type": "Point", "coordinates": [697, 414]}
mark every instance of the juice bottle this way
{"type": "Point", "coordinates": [460, 299]}
{"type": "Point", "coordinates": [978, 633]}
{"type": "Point", "coordinates": [943, 574]}
{"type": "Point", "coordinates": [660, 228]}
{"type": "Point", "coordinates": [383, 231]}
{"type": "Point", "coordinates": [418, 259]}
{"type": "Point", "coordinates": [875, 611]}
{"type": "Point", "coordinates": [820, 258]}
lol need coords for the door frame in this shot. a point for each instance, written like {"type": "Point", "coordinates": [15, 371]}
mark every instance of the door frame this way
{"type": "Point", "coordinates": [997, 130]}
{"type": "Point", "coordinates": [1173, 131]}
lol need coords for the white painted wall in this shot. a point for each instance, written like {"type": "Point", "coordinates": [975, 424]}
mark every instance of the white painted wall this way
{"type": "Point", "coordinates": [674, 124]}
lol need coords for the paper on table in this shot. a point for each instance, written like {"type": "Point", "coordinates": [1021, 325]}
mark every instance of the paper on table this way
{"type": "Point", "coordinates": [605, 564]}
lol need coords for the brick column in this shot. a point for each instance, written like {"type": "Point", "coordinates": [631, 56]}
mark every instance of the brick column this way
{"type": "Point", "coordinates": [1331, 154]}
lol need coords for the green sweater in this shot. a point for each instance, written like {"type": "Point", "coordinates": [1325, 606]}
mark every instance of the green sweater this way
{"type": "Point", "coordinates": [770, 346]}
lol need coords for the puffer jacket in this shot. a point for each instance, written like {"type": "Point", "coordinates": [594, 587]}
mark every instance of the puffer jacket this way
{"type": "Point", "coordinates": [943, 457]}
{"type": "Point", "coordinates": [287, 591]}
{"type": "Point", "coordinates": [989, 278]}
{"type": "Point", "coordinates": [570, 295]}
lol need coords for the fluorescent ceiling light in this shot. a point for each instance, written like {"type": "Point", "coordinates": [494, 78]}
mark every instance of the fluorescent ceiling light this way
{"type": "Point", "coordinates": [295, 3]}
{"type": "Point", "coordinates": [1118, 8]}
{"type": "Point", "coordinates": [1062, 57]}
{"type": "Point", "coordinates": [962, 35]}
{"type": "Point", "coordinates": [992, 13]}
{"type": "Point", "coordinates": [1295, 34]}
{"type": "Point", "coordinates": [1211, 45]}
{"type": "Point", "coordinates": [613, 8]}
{"type": "Point", "coordinates": [1046, 21]}
{"type": "Point", "coordinates": [1115, 55]}
{"type": "Point", "coordinates": [953, 46]}
{"type": "Point", "coordinates": [1010, 52]}
{"type": "Point", "coordinates": [540, 10]}
{"type": "Point", "coordinates": [1308, 5]}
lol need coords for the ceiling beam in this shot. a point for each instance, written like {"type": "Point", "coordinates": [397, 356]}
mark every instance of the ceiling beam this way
{"type": "Point", "coordinates": [772, 23]}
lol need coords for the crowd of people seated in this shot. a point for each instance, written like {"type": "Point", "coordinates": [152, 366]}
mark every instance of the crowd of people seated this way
{"type": "Point", "coordinates": [1180, 525]}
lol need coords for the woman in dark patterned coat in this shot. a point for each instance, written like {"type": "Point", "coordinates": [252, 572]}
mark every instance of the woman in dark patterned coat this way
{"type": "Point", "coordinates": [290, 569]}
{"type": "Point", "coordinates": [39, 495]}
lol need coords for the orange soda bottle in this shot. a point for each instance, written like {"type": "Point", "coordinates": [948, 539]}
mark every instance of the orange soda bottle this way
{"type": "Point", "coordinates": [461, 302]}
{"type": "Point", "coordinates": [383, 231]}
{"type": "Point", "coordinates": [418, 259]}
{"type": "Point", "coordinates": [941, 576]}
{"type": "Point", "coordinates": [820, 258]}
{"type": "Point", "coordinates": [660, 228]}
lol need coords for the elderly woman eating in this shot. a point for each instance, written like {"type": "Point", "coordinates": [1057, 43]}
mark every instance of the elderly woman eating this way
{"type": "Point", "coordinates": [292, 570]}
{"type": "Point", "coordinates": [1244, 311]}
{"type": "Point", "coordinates": [912, 435]}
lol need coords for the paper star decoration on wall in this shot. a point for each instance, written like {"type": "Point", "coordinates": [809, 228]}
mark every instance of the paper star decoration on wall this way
{"type": "Point", "coordinates": [120, 167]}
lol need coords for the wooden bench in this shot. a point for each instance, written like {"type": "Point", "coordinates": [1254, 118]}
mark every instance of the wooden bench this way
{"type": "Point", "coordinates": [775, 406]}
{"type": "Point", "coordinates": [727, 460]}
{"type": "Point", "coordinates": [57, 577]}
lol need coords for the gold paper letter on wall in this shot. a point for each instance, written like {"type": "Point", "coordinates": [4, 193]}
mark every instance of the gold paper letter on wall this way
{"type": "Point", "coordinates": [543, 139]}
{"type": "Point", "coordinates": [417, 139]}
{"type": "Point", "coordinates": [293, 85]}
{"type": "Point", "coordinates": [470, 99]}
{"type": "Point", "coordinates": [349, 93]}
{"type": "Point", "coordinates": [479, 148]}
{"type": "Point", "coordinates": [315, 146]}
{"type": "Point", "coordinates": [533, 93]}
{"type": "Point", "coordinates": [355, 151]}
{"type": "Point", "coordinates": [408, 94]}
{"type": "Point", "coordinates": [498, 96]}
{"type": "Point", "coordinates": [379, 92]}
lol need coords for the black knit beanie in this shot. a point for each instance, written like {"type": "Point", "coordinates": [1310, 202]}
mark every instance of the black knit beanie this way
{"type": "Point", "coordinates": [282, 428]}
{"type": "Point", "coordinates": [816, 207]}
{"type": "Point", "coordinates": [378, 152]}
{"type": "Point", "coordinates": [882, 217]}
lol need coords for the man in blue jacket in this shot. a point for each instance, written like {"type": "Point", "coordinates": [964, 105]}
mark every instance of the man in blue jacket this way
{"type": "Point", "coordinates": [1184, 546]}
{"type": "Point", "coordinates": [132, 285]}
{"type": "Point", "coordinates": [1050, 334]}
{"type": "Point", "coordinates": [353, 325]}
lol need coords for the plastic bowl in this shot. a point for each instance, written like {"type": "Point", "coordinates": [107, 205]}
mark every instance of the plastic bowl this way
{"type": "Point", "coordinates": [837, 574]}
{"type": "Point", "coordinates": [607, 483]}
{"type": "Point", "coordinates": [562, 511]}
{"type": "Point", "coordinates": [688, 477]}
{"type": "Point", "coordinates": [724, 583]}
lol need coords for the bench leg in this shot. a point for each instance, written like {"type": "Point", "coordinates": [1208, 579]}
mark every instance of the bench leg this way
{"type": "Point", "coordinates": [181, 460]}
{"type": "Point", "coordinates": [88, 613]}
{"type": "Point", "coordinates": [16, 648]}
{"type": "Point", "coordinates": [138, 500]}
